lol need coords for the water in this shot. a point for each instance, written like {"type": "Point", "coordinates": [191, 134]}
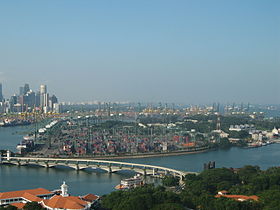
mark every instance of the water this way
{"type": "Point", "coordinates": [82, 182]}
{"type": "Point", "coordinates": [11, 136]}
{"type": "Point", "coordinates": [235, 157]}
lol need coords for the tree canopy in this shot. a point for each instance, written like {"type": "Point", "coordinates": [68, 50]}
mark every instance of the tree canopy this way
{"type": "Point", "coordinates": [200, 191]}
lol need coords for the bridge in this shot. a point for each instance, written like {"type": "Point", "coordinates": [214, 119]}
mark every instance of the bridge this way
{"type": "Point", "coordinates": [106, 165]}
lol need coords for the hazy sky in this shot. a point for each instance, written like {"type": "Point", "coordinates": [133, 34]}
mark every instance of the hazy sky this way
{"type": "Point", "coordinates": [189, 51]}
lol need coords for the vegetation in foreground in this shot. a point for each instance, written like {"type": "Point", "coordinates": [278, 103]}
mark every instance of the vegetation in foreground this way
{"type": "Point", "coordinates": [200, 191]}
{"type": "Point", "coordinates": [28, 206]}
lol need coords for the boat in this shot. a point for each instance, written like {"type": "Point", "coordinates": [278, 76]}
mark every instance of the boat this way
{"type": "Point", "coordinates": [130, 183]}
{"type": "Point", "coordinates": [25, 146]}
{"type": "Point", "coordinates": [253, 145]}
{"type": "Point", "coordinates": [27, 138]}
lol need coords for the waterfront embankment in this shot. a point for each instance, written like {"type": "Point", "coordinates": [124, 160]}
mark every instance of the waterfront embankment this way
{"type": "Point", "coordinates": [143, 155]}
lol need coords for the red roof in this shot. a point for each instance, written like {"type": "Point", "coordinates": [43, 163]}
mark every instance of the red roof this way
{"type": "Point", "coordinates": [239, 197]}
{"type": "Point", "coordinates": [70, 202]}
{"type": "Point", "coordinates": [31, 197]}
{"type": "Point", "coordinates": [28, 193]}
{"type": "Point", "coordinates": [18, 205]}
{"type": "Point", "coordinates": [90, 197]}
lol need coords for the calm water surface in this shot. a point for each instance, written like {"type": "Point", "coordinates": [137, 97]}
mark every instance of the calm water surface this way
{"type": "Point", "coordinates": [82, 182]}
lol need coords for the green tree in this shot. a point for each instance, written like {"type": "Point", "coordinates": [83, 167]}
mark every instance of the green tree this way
{"type": "Point", "coordinates": [33, 206]}
{"type": "Point", "coordinates": [224, 143]}
{"type": "Point", "coordinates": [170, 181]}
{"type": "Point", "coordinates": [168, 206]}
{"type": "Point", "coordinates": [10, 207]}
{"type": "Point", "coordinates": [248, 172]}
{"type": "Point", "coordinates": [271, 199]}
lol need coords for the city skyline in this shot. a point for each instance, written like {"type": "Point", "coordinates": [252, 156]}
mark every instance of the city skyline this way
{"type": "Point", "coordinates": [147, 103]}
{"type": "Point", "coordinates": [27, 100]}
{"type": "Point", "coordinates": [188, 52]}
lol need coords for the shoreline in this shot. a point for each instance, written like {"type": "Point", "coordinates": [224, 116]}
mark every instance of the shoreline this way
{"type": "Point", "coordinates": [153, 155]}
{"type": "Point", "coordinates": [137, 156]}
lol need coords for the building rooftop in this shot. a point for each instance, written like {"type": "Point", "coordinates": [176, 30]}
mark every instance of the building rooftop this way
{"type": "Point", "coordinates": [60, 202]}
{"type": "Point", "coordinates": [239, 197]}
{"type": "Point", "coordinates": [18, 205]}
{"type": "Point", "coordinates": [32, 193]}
{"type": "Point", "coordinates": [48, 199]}
{"type": "Point", "coordinates": [90, 197]}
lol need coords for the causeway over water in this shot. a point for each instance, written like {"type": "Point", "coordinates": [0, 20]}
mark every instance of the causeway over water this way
{"type": "Point", "coordinates": [105, 165]}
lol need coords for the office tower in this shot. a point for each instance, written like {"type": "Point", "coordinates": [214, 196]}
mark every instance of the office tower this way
{"type": "Point", "coordinates": [45, 104]}
{"type": "Point", "coordinates": [46, 100]}
{"type": "Point", "coordinates": [30, 99]}
{"type": "Point", "coordinates": [37, 99]}
{"type": "Point", "coordinates": [53, 100]}
{"type": "Point", "coordinates": [26, 89]}
{"type": "Point", "coordinates": [21, 101]}
{"type": "Point", "coordinates": [56, 108]}
{"type": "Point", "coordinates": [43, 91]}
{"type": "Point", "coordinates": [1, 94]}
{"type": "Point", "coordinates": [13, 102]}
{"type": "Point", "coordinates": [21, 91]}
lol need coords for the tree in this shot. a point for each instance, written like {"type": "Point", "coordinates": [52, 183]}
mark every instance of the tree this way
{"type": "Point", "coordinates": [170, 181]}
{"type": "Point", "coordinates": [140, 198]}
{"type": "Point", "coordinates": [248, 172]}
{"type": "Point", "coordinates": [10, 207]}
{"type": "Point", "coordinates": [33, 206]}
{"type": "Point", "coordinates": [168, 206]}
{"type": "Point", "coordinates": [224, 143]}
{"type": "Point", "coordinates": [215, 176]}
{"type": "Point", "coordinates": [271, 199]}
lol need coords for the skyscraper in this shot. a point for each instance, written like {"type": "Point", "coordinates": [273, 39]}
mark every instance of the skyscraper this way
{"type": "Point", "coordinates": [26, 89]}
{"type": "Point", "coordinates": [43, 91]}
{"type": "Point", "coordinates": [38, 99]}
{"type": "Point", "coordinates": [21, 91]}
{"type": "Point", "coordinates": [1, 94]}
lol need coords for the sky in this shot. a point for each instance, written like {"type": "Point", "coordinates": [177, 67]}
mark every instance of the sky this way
{"type": "Point", "coordinates": [182, 51]}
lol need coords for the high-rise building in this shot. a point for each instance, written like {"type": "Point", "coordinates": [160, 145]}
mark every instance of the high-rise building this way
{"type": "Point", "coordinates": [26, 89]}
{"type": "Point", "coordinates": [43, 92]}
{"type": "Point", "coordinates": [21, 101]}
{"type": "Point", "coordinates": [37, 99]}
{"type": "Point", "coordinates": [54, 99]}
{"type": "Point", "coordinates": [21, 91]}
{"type": "Point", "coordinates": [13, 102]}
{"type": "Point", "coordinates": [31, 99]}
{"type": "Point", "coordinates": [46, 99]}
{"type": "Point", "coordinates": [1, 94]}
{"type": "Point", "coordinates": [43, 89]}
{"type": "Point", "coordinates": [56, 107]}
{"type": "Point", "coordinates": [46, 103]}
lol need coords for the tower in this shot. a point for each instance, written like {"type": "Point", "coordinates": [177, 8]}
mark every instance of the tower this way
{"type": "Point", "coordinates": [43, 91]}
{"type": "Point", "coordinates": [26, 89]}
{"type": "Point", "coordinates": [21, 90]}
{"type": "Point", "coordinates": [64, 190]}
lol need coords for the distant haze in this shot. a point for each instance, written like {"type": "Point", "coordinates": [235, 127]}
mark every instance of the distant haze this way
{"type": "Point", "coordinates": [171, 51]}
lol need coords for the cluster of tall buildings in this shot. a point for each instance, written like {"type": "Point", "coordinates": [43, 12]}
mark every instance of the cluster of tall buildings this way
{"type": "Point", "coordinates": [27, 101]}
